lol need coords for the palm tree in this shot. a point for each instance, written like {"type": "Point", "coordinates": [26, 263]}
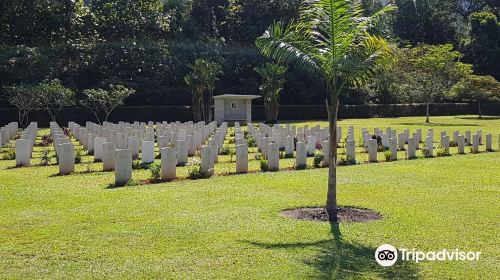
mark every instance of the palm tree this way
{"type": "Point", "coordinates": [273, 79]}
{"type": "Point", "coordinates": [330, 40]}
{"type": "Point", "coordinates": [203, 77]}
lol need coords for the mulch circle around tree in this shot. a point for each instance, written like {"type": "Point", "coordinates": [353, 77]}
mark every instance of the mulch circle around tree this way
{"type": "Point", "coordinates": [345, 214]}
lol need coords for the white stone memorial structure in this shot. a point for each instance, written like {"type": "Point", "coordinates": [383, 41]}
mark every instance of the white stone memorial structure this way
{"type": "Point", "coordinates": [233, 108]}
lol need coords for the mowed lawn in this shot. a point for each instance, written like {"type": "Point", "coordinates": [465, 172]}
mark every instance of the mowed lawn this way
{"type": "Point", "coordinates": [230, 227]}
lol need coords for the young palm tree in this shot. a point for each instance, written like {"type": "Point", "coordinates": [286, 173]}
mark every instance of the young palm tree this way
{"type": "Point", "coordinates": [330, 40]}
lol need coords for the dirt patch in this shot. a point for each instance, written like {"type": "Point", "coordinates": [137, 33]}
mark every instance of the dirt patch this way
{"type": "Point", "coordinates": [345, 214]}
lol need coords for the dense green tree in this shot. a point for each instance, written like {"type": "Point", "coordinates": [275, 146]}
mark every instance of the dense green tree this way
{"type": "Point", "coordinates": [482, 47]}
{"type": "Point", "coordinates": [406, 21]}
{"type": "Point", "coordinates": [330, 41]}
{"type": "Point", "coordinates": [426, 73]}
{"type": "Point", "coordinates": [125, 19]}
{"type": "Point", "coordinates": [478, 89]}
{"type": "Point", "coordinates": [42, 22]}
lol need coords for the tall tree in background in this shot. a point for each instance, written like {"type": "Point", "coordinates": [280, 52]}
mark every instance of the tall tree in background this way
{"type": "Point", "coordinates": [430, 72]}
{"type": "Point", "coordinates": [273, 79]}
{"type": "Point", "coordinates": [482, 47]}
{"type": "Point", "coordinates": [330, 41]}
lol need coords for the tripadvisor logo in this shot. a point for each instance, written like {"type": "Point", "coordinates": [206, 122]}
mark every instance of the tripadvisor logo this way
{"type": "Point", "coordinates": [387, 255]}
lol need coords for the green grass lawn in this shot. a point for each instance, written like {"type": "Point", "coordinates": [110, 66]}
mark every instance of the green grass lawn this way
{"type": "Point", "coordinates": [230, 227]}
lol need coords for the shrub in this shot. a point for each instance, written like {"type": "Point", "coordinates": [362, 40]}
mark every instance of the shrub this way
{"type": "Point", "coordinates": [78, 156]}
{"type": "Point", "coordinates": [346, 160]}
{"type": "Point", "coordinates": [45, 159]}
{"type": "Point", "coordinates": [381, 148]}
{"type": "Point", "coordinates": [231, 141]}
{"type": "Point", "coordinates": [251, 142]}
{"type": "Point", "coordinates": [264, 165]}
{"type": "Point", "coordinates": [67, 132]}
{"type": "Point", "coordinates": [137, 165]}
{"type": "Point", "coordinates": [9, 153]}
{"type": "Point", "coordinates": [46, 140]}
{"type": "Point", "coordinates": [258, 156]}
{"type": "Point", "coordinates": [288, 155]}
{"type": "Point", "coordinates": [442, 153]}
{"type": "Point", "coordinates": [155, 169]}
{"type": "Point", "coordinates": [225, 150]}
{"type": "Point", "coordinates": [453, 143]}
{"type": "Point", "coordinates": [89, 167]}
{"type": "Point", "coordinates": [318, 158]}
{"type": "Point", "coordinates": [196, 172]}
{"type": "Point", "coordinates": [387, 155]}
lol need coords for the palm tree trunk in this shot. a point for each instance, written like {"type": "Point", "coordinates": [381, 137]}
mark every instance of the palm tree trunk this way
{"type": "Point", "coordinates": [480, 113]}
{"type": "Point", "coordinates": [331, 199]}
{"type": "Point", "coordinates": [427, 114]}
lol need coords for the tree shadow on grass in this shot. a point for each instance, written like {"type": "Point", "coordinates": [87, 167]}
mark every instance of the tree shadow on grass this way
{"type": "Point", "coordinates": [339, 259]}
{"type": "Point", "coordinates": [432, 124]}
{"type": "Point", "coordinates": [483, 118]}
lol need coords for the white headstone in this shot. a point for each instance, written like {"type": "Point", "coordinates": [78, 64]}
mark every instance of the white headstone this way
{"type": "Point", "coordinates": [393, 147]}
{"type": "Point", "coordinates": [168, 163]}
{"type": "Point", "coordinates": [242, 158]}
{"type": "Point", "coordinates": [207, 159]}
{"type": "Point", "coordinates": [475, 143]}
{"type": "Point", "coordinates": [182, 152]}
{"type": "Point", "coordinates": [311, 145]}
{"type": "Point", "coordinates": [123, 167]}
{"type": "Point", "coordinates": [301, 156]}
{"type": "Point", "coordinates": [23, 152]}
{"type": "Point", "coordinates": [66, 158]}
{"type": "Point", "coordinates": [489, 142]}
{"type": "Point", "coordinates": [108, 156]}
{"type": "Point", "coordinates": [461, 144]}
{"type": "Point", "coordinates": [372, 150]}
{"type": "Point", "coordinates": [274, 157]}
{"type": "Point", "coordinates": [351, 149]}
{"type": "Point", "coordinates": [148, 152]}
{"type": "Point", "coordinates": [98, 150]}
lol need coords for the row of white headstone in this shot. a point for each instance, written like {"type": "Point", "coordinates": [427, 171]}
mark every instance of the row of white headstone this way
{"type": "Point", "coordinates": [7, 133]}
{"type": "Point", "coordinates": [270, 140]}
{"type": "Point", "coordinates": [112, 143]}
{"type": "Point", "coordinates": [25, 144]}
